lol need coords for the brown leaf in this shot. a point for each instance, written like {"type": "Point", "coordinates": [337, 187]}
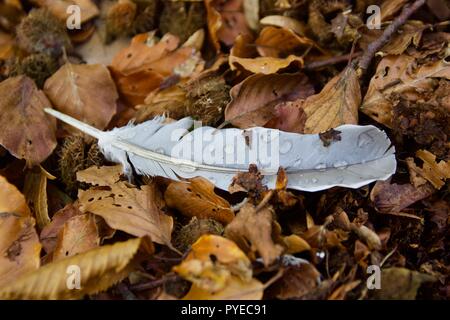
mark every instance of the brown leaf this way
{"type": "Point", "coordinates": [249, 182]}
{"type": "Point", "coordinates": [99, 269]}
{"type": "Point", "coordinates": [295, 244]}
{"type": "Point", "coordinates": [213, 262]}
{"type": "Point", "coordinates": [59, 8]}
{"type": "Point", "coordinates": [79, 234]}
{"type": "Point", "coordinates": [397, 75]}
{"type": "Point", "coordinates": [251, 230]}
{"type": "Point", "coordinates": [285, 22]}
{"type": "Point", "coordinates": [125, 207]}
{"type": "Point", "coordinates": [432, 171]}
{"type": "Point", "coordinates": [85, 92]}
{"type": "Point", "coordinates": [411, 32]}
{"type": "Point", "coordinates": [214, 21]}
{"type": "Point", "coordinates": [11, 200]}
{"type": "Point", "coordinates": [393, 198]}
{"type": "Point", "coordinates": [335, 105]}
{"type": "Point", "coordinates": [264, 65]}
{"type": "Point", "coordinates": [35, 191]}
{"type": "Point", "coordinates": [27, 132]}
{"type": "Point", "coordinates": [19, 245]}
{"type": "Point", "coordinates": [254, 99]}
{"type": "Point", "coordinates": [196, 198]}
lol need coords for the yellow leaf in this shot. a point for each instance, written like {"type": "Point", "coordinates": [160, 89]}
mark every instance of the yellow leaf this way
{"type": "Point", "coordinates": [335, 105]}
{"type": "Point", "coordinates": [125, 207]}
{"type": "Point", "coordinates": [295, 244]}
{"type": "Point", "coordinates": [212, 261]}
{"type": "Point", "coordinates": [196, 198]}
{"type": "Point", "coordinates": [434, 172]}
{"type": "Point", "coordinates": [19, 247]}
{"type": "Point", "coordinates": [99, 269]}
{"type": "Point", "coordinates": [11, 200]}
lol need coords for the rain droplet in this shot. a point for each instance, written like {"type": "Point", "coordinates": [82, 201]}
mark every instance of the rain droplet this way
{"type": "Point", "coordinates": [340, 164]}
{"type": "Point", "coordinates": [314, 180]}
{"type": "Point", "coordinates": [298, 162]}
{"type": "Point", "coordinates": [321, 167]}
{"type": "Point", "coordinates": [285, 147]}
{"type": "Point", "coordinates": [364, 139]}
{"type": "Point", "coordinates": [160, 150]}
{"type": "Point", "coordinates": [128, 134]}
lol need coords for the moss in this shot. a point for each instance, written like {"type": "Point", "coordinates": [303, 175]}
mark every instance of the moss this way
{"type": "Point", "coordinates": [38, 66]}
{"type": "Point", "coordinates": [146, 17]}
{"type": "Point", "coordinates": [41, 32]}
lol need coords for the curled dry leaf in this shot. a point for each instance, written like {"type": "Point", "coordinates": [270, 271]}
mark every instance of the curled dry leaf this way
{"type": "Point", "coordinates": [251, 230]}
{"type": "Point", "coordinates": [59, 8]}
{"type": "Point", "coordinates": [125, 207]}
{"type": "Point", "coordinates": [196, 198]}
{"type": "Point", "coordinates": [285, 22]}
{"type": "Point", "coordinates": [213, 264]}
{"type": "Point", "coordinates": [79, 234]}
{"type": "Point", "coordinates": [335, 105]}
{"type": "Point", "coordinates": [19, 245]}
{"type": "Point", "coordinates": [85, 92]}
{"type": "Point", "coordinates": [214, 21]}
{"type": "Point", "coordinates": [11, 200]}
{"type": "Point", "coordinates": [35, 191]}
{"type": "Point", "coordinates": [411, 33]}
{"type": "Point", "coordinates": [27, 133]}
{"type": "Point", "coordinates": [434, 172]}
{"type": "Point", "coordinates": [392, 198]}
{"type": "Point", "coordinates": [397, 75]}
{"type": "Point", "coordinates": [99, 269]}
{"type": "Point", "coordinates": [255, 99]}
{"type": "Point", "coordinates": [295, 244]}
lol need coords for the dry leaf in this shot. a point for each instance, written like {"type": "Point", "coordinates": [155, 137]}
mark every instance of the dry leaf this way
{"type": "Point", "coordinates": [393, 198]}
{"type": "Point", "coordinates": [432, 171]}
{"type": "Point", "coordinates": [265, 65]}
{"type": "Point", "coordinates": [79, 234]}
{"type": "Point", "coordinates": [411, 32]}
{"type": "Point", "coordinates": [335, 105]}
{"type": "Point", "coordinates": [125, 207]}
{"type": "Point", "coordinates": [85, 92]}
{"type": "Point", "coordinates": [251, 230]}
{"type": "Point", "coordinates": [394, 75]}
{"type": "Point", "coordinates": [19, 247]}
{"type": "Point", "coordinates": [99, 269]}
{"type": "Point", "coordinates": [254, 100]}
{"type": "Point", "coordinates": [196, 198]}
{"type": "Point", "coordinates": [59, 8]}
{"type": "Point", "coordinates": [26, 133]}
{"type": "Point", "coordinates": [236, 289]}
{"type": "Point", "coordinates": [285, 22]}
{"type": "Point", "coordinates": [11, 200]}
{"type": "Point", "coordinates": [213, 262]}
{"type": "Point", "coordinates": [214, 21]}
{"type": "Point", "coordinates": [295, 244]}
{"type": "Point", "coordinates": [35, 191]}
{"type": "Point", "coordinates": [49, 235]}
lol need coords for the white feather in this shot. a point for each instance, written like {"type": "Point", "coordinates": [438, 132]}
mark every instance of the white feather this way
{"type": "Point", "coordinates": [363, 155]}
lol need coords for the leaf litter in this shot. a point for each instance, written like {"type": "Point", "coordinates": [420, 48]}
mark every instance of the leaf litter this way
{"type": "Point", "coordinates": [156, 230]}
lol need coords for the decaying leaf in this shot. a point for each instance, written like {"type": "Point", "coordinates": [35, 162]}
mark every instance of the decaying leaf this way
{"type": "Point", "coordinates": [79, 234]}
{"type": "Point", "coordinates": [99, 269]}
{"type": "Point", "coordinates": [434, 172]}
{"type": "Point", "coordinates": [11, 200]}
{"type": "Point", "coordinates": [336, 104]}
{"type": "Point", "coordinates": [19, 246]}
{"type": "Point", "coordinates": [35, 191]}
{"type": "Point", "coordinates": [72, 87]}
{"type": "Point", "coordinates": [27, 133]}
{"type": "Point", "coordinates": [255, 99]}
{"type": "Point", "coordinates": [213, 262]}
{"type": "Point", "coordinates": [251, 230]}
{"type": "Point", "coordinates": [196, 198]}
{"type": "Point", "coordinates": [125, 207]}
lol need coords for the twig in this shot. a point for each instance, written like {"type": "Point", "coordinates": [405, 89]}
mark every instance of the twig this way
{"type": "Point", "coordinates": [153, 284]}
{"type": "Point", "coordinates": [331, 61]}
{"type": "Point", "coordinates": [375, 46]}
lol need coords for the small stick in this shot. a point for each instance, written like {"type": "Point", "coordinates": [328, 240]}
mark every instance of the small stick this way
{"type": "Point", "coordinates": [375, 46]}
{"type": "Point", "coordinates": [334, 60]}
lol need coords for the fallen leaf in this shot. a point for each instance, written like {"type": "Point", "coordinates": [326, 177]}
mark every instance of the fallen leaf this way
{"type": "Point", "coordinates": [11, 200]}
{"type": "Point", "coordinates": [335, 105]}
{"type": "Point", "coordinates": [255, 99]}
{"type": "Point", "coordinates": [196, 198]}
{"type": "Point", "coordinates": [393, 198]}
{"type": "Point", "coordinates": [251, 230]}
{"type": "Point", "coordinates": [434, 172]}
{"type": "Point", "coordinates": [265, 65]}
{"type": "Point", "coordinates": [213, 262]}
{"type": "Point", "coordinates": [27, 132]}
{"type": "Point", "coordinates": [295, 244]}
{"type": "Point", "coordinates": [35, 191]}
{"type": "Point", "coordinates": [214, 21]}
{"type": "Point", "coordinates": [85, 92]}
{"type": "Point", "coordinates": [285, 22]}
{"type": "Point", "coordinates": [389, 9]}
{"type": "Point", "coordinates": [400, 284]}
{"type": "Point", "coordinates": [79, 234]}
{"type": "Point", "coordinates": [99, 269]}
{"type": "Point", "coordinates": [125, 207]}
{"type": "Point", "coordinates": [19, 245]}
{"type": "Point", "coordinates": [411, 32]}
